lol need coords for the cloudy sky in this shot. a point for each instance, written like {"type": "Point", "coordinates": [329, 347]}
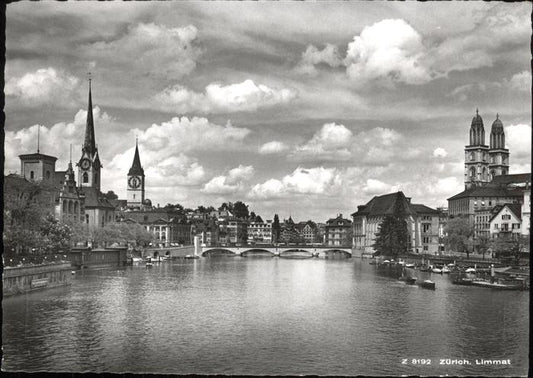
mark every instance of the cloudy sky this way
{"type": "Point", "coordinates": [296, 108]}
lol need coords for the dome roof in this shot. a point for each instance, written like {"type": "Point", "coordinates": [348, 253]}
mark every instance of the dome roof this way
{"type": "Point", "coordinates": [497, 124]}
{"type": "Point", "coordinates": [477, 120]}
{"type": "Point", "coordinates": [147, 202]}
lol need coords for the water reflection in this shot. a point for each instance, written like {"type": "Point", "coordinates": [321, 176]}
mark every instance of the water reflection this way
{"type": "Point", "coordinates": [263, 316]}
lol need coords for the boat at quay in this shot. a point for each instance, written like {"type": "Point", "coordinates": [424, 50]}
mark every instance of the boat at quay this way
{"type": "Point", "coordinates": [260, 307]}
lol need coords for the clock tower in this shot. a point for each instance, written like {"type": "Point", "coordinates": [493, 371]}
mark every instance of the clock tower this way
{"type": "Point", "coordinates": [136, 181]}
{"type": "Point", "coordinates": [89, 164]}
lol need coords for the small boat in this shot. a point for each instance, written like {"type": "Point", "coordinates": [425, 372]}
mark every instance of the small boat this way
{"type": "Point", "coordinates": [428, 284]}
{"type": "Point", "coordinates": [436, 270]}
{"type": "Point", "coordinates": [136, 259]}
{"type": "Point", "coordinates": [409, 265]}
{"type": "Point", "coordinates": [410, 280]}
{"type": "Point", "coordinates": [425, 269]}
{"type": "Point", "coordinates": [470, 270]}
{"type": "Point", "coordinates": [463, 281]}
{"type": "Point", "coordinates": [498, 286]}
{"type": "Point", "coordinates": [192, 256]}
{"type": "Point", "coordinates": [149, 264]}
{"type": "Point", "coordinates": [445, 269]}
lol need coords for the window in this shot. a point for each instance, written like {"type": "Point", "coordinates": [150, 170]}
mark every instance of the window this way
{"type": "Point", "coordinates": [85, 178]}
{"type": "Point", "coordinates": [134, 196]}
{"type": "Point", "coordinates": [506, 217]}
{"type": "Point", "coordinates": [96, 179]}
{"type": "Point", "coordinates": [516, 226]}
{"type": "Point", "coordinates": [495, 226]}
{"type": "Point", "coordinates": [32, 175]}
{"type": "Point", "coordinates": [48, 175]}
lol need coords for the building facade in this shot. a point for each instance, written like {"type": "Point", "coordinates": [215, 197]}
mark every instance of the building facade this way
{"type": "Point", "coordinates": [339, 231]}
{"type": "Point", "coordinates": [507, 221]}
{"type": "Point", "coordinates": [423, 223]}
{"type": "Point", "coordinates": [260, 232]}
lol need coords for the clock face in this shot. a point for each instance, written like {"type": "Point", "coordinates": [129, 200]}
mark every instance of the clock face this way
{"type": "Point", "coordinates": [85, 164]}
{"type": "Point", "coordinates": [134, 182]}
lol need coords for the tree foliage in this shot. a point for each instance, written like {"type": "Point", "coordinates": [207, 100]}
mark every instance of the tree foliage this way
{"type": "Point", "coordinates": [459, 234]}
{"type": "Point", "coordinates": [392, 238]}
{"type": "Point", "coordinates": [509, 247]}
{"type": "Point", "coordinates": [240, 210]}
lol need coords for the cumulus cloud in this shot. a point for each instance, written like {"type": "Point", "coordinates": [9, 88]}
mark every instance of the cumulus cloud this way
{"type": "Point", "coordinates": [273, 147]}
{"type": "Point", "coordinates": [246, 96]}
{"type": "Point", "coordinates": [187, 134]}
{"type": "Point", "coordinates": [389, 51]}
{"type": "Point", "coordinates": [46, 86]}
{"type": "Point", "coordinates": [521, 81]}
{"type": "Point", "coordinates": [440, 152]}
{"type": "Point", "coordinates": [331, 142]}
{"type": "Point", "coordinates": [312, 57]}
{"type": "Point", "coordinates": [518, 140]}
{"type": "Point", "coordinates": [501, 30]}
{"type": "Point", "coordinates": [157, 50]}
{"type": "Point", "coordinates": [373, 187]}
{"type": "Point", "coordinates": [231, 183]}
{"type": "Point", "coordinates": [313, 181]}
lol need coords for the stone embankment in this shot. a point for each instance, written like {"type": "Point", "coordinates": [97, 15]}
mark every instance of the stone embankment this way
{"type": "Point", "coordinates": [27, 278]}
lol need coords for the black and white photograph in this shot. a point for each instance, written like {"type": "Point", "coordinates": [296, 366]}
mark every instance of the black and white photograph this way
{"type": "Point", "coordinates": [267, 188]}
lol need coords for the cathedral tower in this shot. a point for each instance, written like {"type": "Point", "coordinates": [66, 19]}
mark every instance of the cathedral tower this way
{"type": "Point", "coordinates": [136, 181]}
{"type": "Point", "coordinates": [476, 155]}
{"type": "Point", "coordinates": [498, 154]}
{"type": "Point", "coordinates": [89, 164]}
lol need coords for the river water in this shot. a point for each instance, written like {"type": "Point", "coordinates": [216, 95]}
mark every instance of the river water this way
{"type": "Point", "coordinates": [264, 316]}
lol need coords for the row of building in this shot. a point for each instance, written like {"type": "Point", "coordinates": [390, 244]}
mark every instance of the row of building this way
{"type": "Point", "coordinates": [493, 201]}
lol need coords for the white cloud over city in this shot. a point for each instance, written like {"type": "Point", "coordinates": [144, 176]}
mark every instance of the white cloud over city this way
{"type": "Point", "coordinates": [288, 111]}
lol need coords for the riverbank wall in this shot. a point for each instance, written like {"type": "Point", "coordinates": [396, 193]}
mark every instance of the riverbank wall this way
{"type": "Point", "coordinates": [24, 279]}
{"type": "Point", "coordinates": [83, 258]}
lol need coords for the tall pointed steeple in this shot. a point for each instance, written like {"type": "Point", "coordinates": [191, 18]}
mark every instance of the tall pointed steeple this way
{"type": "Point", "coordinates": [136, 168]}
{"type": "Point", "coordinates": [89, 143]}
{"type": "Point", "coordinates": [136, 178]}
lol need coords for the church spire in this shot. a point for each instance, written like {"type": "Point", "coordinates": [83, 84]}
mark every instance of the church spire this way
{"type": "Point", "coordinates": [89, 144]}
{"type": "Point", "coordinates": [136, 168]}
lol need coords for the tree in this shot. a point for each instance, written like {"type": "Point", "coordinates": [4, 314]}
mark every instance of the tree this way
{"type": "Point", "coordinates": [55, 235]}
{"type": "Point", "coordinates": [483, 244]}
{"type": "Point", "coordinates": [276, 229]}
{"type": "Point", "coordinates": [509, 247]}
{"type": "Point", "coordinates": [392, 238]}
{"type": "Point", "coordinates": [240, 210]}
{"type": "Point", "coordinates": [110, 195]}
{"type": "Point", "coordinates": [26, 205]}
{"type": "Point", "coordinates": [459, 232]}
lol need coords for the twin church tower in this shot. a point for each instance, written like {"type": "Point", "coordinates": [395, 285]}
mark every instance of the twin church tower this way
{"type": "Point", "coordinates": [482, 162]}
{"type": "Point", "coordinates": [89, 165]}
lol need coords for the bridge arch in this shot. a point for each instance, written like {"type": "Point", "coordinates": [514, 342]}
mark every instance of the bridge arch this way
{"type": "Point", "coordinates": [337, 253]}
{"type": "Point", "coordinates": [257, 252]}
{"type": "Point", "coordinates": [215, 252]}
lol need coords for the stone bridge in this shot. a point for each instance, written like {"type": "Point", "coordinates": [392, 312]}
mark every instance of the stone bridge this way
{"type": "Point", "coordinates": [294, 251]}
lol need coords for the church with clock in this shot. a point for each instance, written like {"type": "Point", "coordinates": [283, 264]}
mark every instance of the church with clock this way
{"type": "Point", "coordinates": [135, 188]}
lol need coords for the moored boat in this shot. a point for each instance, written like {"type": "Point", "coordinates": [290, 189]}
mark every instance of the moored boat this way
{"type": "Point", "coordinates": [428, 284]}
{"type": "Point", "coordinates": [496, 285]}
{"type": "Point", "coordinates": [409, 265]}
{"type": "Point", "coordinates": [436, 270]}
{"type": "Point", "coordinates": [445, 269]}
{"type": "Point", "coordinates": [463, 281]}
{"type": "Point", "coordinates": [410, 280]}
